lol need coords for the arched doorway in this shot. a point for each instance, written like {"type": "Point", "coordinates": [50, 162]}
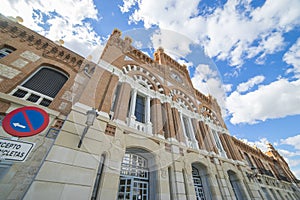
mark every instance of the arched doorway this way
{"type": "Point", "coordinates": [236, 185]}
{"type": "Point", "coordinates": [137, 176]}
{"type": "Point", "coordinates": [201, 182]}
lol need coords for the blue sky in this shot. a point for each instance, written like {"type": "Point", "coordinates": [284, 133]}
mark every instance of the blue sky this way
{"type": "Point", "coordinates": [245, 53]}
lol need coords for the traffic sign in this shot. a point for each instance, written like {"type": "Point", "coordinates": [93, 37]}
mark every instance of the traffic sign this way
{"type": "Point", "coordinates": [14, 150]}
{"type": "Point", "coordinates": [25, 121]}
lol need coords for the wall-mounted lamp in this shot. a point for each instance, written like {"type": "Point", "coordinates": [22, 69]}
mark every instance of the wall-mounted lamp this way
{"type": "Point", "coordinates": [90, 118]}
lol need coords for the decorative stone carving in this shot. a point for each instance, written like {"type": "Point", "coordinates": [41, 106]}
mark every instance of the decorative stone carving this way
{"type": "Point", "coordinates": [8, 72]}
{"type": "Point", "coordinates": [19, 63]}
{"type": "Point", "coordinates": [163, 173]}
{"type": "Point", "coordinates": [30, 56]}
{"type": "Point", "coordinates": [68, 95]}
{"type": "Point", "coordinates": [63, 106]}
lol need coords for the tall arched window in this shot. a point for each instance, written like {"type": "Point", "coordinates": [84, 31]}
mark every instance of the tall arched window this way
{"type": "Point", "coordinates": [188, 131]}
{"type": "Point", "coordinates": [201, 182]}
{"type": "Point", "coordinates": [248, 160]}
{"type": "Point", "coordinates": [236, 185]}
{"type": "Point", "coordinates": [134, 178]}
{"type": "Point", "coordinates": [42, 87]}
{"type": "Point", "coordinates": [139, 115]}
{"type": "Point", "coordinates": [199, 190]}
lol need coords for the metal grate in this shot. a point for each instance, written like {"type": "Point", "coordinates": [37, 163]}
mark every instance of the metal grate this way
{"type": "Point", "coordinates": [198, 184]}
{"type": "Point", "coordinates": [20, 93]}
{"type": "Point", "coordinates": [33, 98]}
{"type": "Point", "coordinates": [45, 102]}
{"type": "Point", "coordinates": [46, 81]}
{"type": "Point", "coordinates": [134, 180]}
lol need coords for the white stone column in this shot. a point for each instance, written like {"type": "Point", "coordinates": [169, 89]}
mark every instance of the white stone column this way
{"type": "Point", "coordinates": [132, 108]}
{"type": "Point", "coordinates": [148, 116]}
{"type": "Point", "coordinates": [194, 141]}
{"type": "Point", "coordinates": [183, 129]}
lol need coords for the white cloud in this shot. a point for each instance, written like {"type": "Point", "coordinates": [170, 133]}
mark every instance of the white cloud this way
{"type": "Point", "coordinates": [293, 141]}
{"type": "Point", "coordinates": [286, 153]}
{"type": "Point", "coordinates": [292, 57]}
{"type": "Point", "coordinates": [127, 4]}
{"type": "Point", "coordinates": [59, 19]}
{"type": "Point", "coordinates": [261, 143]}
{"type": "Point", "coordinates": [167, 38]}
{"type": "Point", "coordinates": [207, 81]}
{"type": "Point", "coordinates": [243, 87]}
{"type": "Point", "coordinates": [278, 99]}
{"type": "Point", "coordinates": [228, 32]}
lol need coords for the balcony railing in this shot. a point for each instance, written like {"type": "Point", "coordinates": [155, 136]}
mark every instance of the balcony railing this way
{"type": "Point", "coordinates": [30, 95]}
{"type": "Point", "coordinates": [265, 172]}
{"type": "Point", "coordinates": [283, 178]}
{"type": "Point", "coordinates": [143, 127]}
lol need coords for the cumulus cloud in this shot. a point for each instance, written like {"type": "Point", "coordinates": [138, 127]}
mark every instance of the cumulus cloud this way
{"type": "Point", "coordinates": [278, 99]}
{"type": "Point", "coordinates": [207, 80]}
{"type": "Point", "coordinates": [292, 57]}
{"type": "Point", "coordinates": [261, 143]}
{"type": "Point", "coordinates": [217, 28]}
{"type": "Point", "coordinates": [243, 87]}
{"type": "Point", "coordinates": [292, 155]}
{"type": "Point", "coordinates": [59, 19]}
{"type": "Point", "coordinates": [293, 141]}
{"type": "Point", "coordinates": [166, 38]}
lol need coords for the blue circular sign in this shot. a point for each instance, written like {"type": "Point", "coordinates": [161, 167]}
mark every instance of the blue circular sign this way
{"type": "Point", "coordinates": [25, 121]}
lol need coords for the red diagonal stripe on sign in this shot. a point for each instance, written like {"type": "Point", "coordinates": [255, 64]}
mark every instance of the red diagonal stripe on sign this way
{"type": "Point", "coordinates": [28, 121]}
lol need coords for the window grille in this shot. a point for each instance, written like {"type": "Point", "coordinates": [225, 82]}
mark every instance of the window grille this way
{"type": "Point", "coordinates": [42, 87]}
{"type": "Point", "coordinates": [198, 184]}
{"type": "Point", "coordinates": [46, 81]}
{"type": "Point", "coordinates": [134, 179]}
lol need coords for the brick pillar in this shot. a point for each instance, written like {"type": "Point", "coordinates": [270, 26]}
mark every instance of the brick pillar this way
{"type": "Point", "coordinates": [209, 144]}
{"type": "Point", "coordinates": [198, 135]}
{"type": "Point", "coordinates": [234, 151]}
{"type": "Point", "coordinates": [156, 116]}
{"type": "Point", "coordinates": [178, 127]}
{"type": "Point", "coordinates": [225, 146]}
{"type": "Point", "coordinates": [122, 102]}
{"type": "Point", "coordinates": [170, 121]}
{"type": "Point", "coordinates": [105, 90]}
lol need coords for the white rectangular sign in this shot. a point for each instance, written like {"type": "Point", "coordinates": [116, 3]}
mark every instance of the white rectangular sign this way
{"type": "Point", "coordinates": [14, 150]}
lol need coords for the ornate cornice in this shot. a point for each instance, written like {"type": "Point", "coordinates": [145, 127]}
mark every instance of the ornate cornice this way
{"type": "Point", "coordinates": [49, 48]}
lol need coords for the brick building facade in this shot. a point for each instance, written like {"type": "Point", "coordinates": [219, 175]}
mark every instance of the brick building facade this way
{"type": "Point", "coordinates": [154, 137]}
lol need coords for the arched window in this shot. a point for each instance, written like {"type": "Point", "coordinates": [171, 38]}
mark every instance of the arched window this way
{"type": "Point", "coordinates": [134, 178]}
{"type": "Point", "coordinates": [139, 111]}
{"type": "Point", "coordinates": [140, 108]}
{"type": "Point", "coordinates": [248, 160]}
{"type": "Point", "coordinates": [5, 51]}
{"type": "Point", "coordinates": [42, 87]}
{"type": "Point", "coordinates": [236, 185]}
{"type": "Point", "coordinates": [201, 182]}
{"type": "Point", "coordinates": [188, 131]}
{"type": "Point", "coordinates": [199, 190]}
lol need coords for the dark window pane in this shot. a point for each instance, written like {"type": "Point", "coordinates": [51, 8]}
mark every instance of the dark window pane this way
{"type": "Point", "coordinates": [20, 93]}
{"type": "Point", "coordinates": [33, 98]}
{"type": "Point", "coordinates": [46, 81]}
{"type": "Point", "coordinates": [45, 102]}
{"type": "Point", "coordinates": [140, 109]}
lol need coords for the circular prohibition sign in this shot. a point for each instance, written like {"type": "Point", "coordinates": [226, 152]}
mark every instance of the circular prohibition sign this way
{"type": "Point", "coordinates": [26, 121]}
